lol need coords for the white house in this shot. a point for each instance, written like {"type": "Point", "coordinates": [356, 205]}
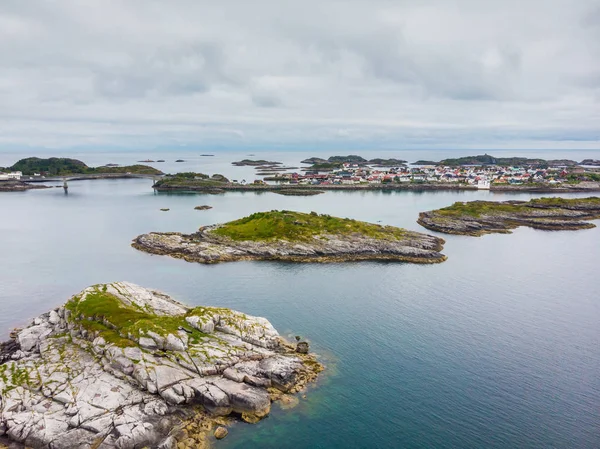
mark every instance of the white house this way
{"type": "Point", "coordinates": [12, 175]}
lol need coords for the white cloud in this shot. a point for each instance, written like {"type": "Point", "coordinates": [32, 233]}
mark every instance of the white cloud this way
{"type": "Point", "coordinates": [414, 73]}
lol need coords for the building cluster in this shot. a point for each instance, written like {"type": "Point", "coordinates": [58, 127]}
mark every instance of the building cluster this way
{"type": "Point", "coordinates": [481, 176]}
{"type": "Point", "coordinates": [15, 175]}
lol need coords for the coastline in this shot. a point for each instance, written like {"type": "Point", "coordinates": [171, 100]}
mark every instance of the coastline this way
{"type": "Point", "coordinates": [19, 186]}
{"type": "Point", "coordinates": [477, 218]}
{"type": "Point", "coordinates": [363, 242]}
{"type": "Point", "coordinates": [164, 374]}
{"type": "Point", "coordinates": [575, 188]}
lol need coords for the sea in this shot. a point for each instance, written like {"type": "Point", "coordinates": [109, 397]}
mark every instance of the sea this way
{"type": "Point", "coordinates": [498, 347]}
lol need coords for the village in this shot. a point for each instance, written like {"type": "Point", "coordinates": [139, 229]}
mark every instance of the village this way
{"type": "Point", "coordinates": [479, 176]}
{"type": "Point", "coordinates": [11, 176]}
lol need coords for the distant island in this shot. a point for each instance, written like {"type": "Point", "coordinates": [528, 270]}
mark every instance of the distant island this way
{"type": "Point", "coordinates": [486, 159]}
{"type": "Point", "coordinates": [590, 162]}
{"type": "Point", "coordinates": [254, 163]}
{"type": "Point", "coordinates": [295, 237]}
{"type": "Point", "coordinates": [122, 366]}
{"type": "Point", "coordinates": [476, 218]}
{"type": "Point", "coordinates": [56, 166]}
{"type": "Point", "coordinates": [335, 162]}
{"type": "Point", "coordinates": [191, 180]}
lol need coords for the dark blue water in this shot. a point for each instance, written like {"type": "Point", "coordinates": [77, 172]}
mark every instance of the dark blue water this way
{"type": "Point", "coordinates": [497, 347]}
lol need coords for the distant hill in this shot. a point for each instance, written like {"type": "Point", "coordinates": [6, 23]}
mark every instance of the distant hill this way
{"type": "Point", "coordinates": [58, 166]}
{"type": "Point", "coordinates": [51, 166]}
{"type": "Point", "coordinates": [336, 162]}
{"type": "Point", "coordinates": [486, 159]}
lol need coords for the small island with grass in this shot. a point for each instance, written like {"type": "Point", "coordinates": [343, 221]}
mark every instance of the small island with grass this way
{"type": "Point", "coordinates": [122, 366]}
{"type": "Point", "coordinates": [254, 163]}
{"type": "Point", "coordinates": [59, 166]}
{"type": "Point", "coordinates": [476, 218]}
{"type": "Point", "coordinates": [294, 237]}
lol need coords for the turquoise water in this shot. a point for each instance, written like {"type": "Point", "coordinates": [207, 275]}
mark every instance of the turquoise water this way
{"type": "Point", "coordinates": [497, 347]}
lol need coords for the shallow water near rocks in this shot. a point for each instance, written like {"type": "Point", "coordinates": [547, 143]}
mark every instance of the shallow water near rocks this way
{"type": "Point", "coordinates": [496, 347]}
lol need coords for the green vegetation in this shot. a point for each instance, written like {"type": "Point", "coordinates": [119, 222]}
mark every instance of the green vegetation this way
{"type": "Point", "coordinates": [56, 166]}
{"type": "Point", "coordinates": [387, 162]}
{"type": "Point", "coordinates": [486, 159]}
{"type": "Point", "coordinates": [352, 158]}
{"type": "Point", "coordinates": [481, 208]}
{"type": "Point", "coordinates": [12, 376]}
{"type": "Point", "coordinates": [252, 163]}
{"type": "Point", "coordinates": [108, 317]}
{"type": "Point", "coordinates": [477, 208]}
{"type": "Point", "coordinates": [190, 179]}
{"type": "Point", "coordinates": [335, 162]}
{"type": "Point", "coordinates": [325, 166]}
{"type": "Point", "coordinates": [133, 169]}
{"type": "Point", "coordinates": [424, 162]}
{"type": "Point", "coordinates": [51, 166]}
{"type": "Point", "coordinates": [297, 226]}
{"type": "Point", "coordinates": [566, 202]}
{"type": "Point", "coordinates": [190, 175]}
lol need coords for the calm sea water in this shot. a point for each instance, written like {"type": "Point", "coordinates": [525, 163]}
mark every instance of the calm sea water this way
{"type": "Point", "coordinates": [497, 347]}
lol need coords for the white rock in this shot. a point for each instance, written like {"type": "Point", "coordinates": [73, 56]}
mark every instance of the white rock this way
{"type": "Point", "coordinates": [30, 337]}
{"type": "Point", "coordinates": [174, 343]}
{"type": "Point", "coordinates": [96, 385]}
{"type": "Point", "coordinates": [53, 318]}
{"type": "Point", "coordinates": [147, 343]}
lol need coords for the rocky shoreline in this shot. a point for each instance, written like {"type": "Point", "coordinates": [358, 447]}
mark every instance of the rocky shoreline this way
{"type": "Point", "coordinates": [121, 366]}
{"type": "Point", "coordinates": [476, 218]}
{"type": "Point", "coordinates": [352, 241]}
{"type": "Point", "coordinates": [418, 187]}
{"type": "Point", "coordinates": [19, 186]}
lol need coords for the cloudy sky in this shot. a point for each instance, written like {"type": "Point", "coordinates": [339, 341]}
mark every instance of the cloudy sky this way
{"type": "Point", "coordinates": [389, 74]}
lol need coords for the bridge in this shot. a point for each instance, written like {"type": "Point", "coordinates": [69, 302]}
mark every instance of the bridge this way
{"type": "Point", "coordinates": [84, 177]}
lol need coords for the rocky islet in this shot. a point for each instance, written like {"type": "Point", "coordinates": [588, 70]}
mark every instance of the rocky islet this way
{"type": "Point", "coordinates": [295, 237]}
{"type": "Point", "coordinates": [122, 366]}
{"type": "Point", "coordinates": [476, 218]}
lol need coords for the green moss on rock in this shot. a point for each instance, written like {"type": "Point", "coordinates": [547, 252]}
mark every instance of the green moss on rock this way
{"type": "Point", "coordinates": [298, 226]}
{"type": "Point", "coordinates": [108, 317]}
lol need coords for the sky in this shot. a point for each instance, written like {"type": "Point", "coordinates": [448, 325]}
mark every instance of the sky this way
{"type": "Point", "coordinates": [275, 73]}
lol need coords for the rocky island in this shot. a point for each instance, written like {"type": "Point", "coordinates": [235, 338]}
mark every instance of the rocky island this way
{"type": "Point", "coordinates": [254, 163]}
{"type": "Point", "coordinates": [56, 166]}
{"type": "Point", "coordinates": [18, 186]}
{"type": "Point", "coordinates": [295, 237]}
{"type": "Point", "coordinates": [476, 218]}
{"type": "Point", "coordinates": [121, 366]}
{"type": "Point", "coordinates": [486, 159]}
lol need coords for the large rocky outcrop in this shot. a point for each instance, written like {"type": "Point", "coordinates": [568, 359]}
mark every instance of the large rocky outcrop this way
{"type": "Point", "coordinates": [121, 366]}
{"type": "Point", "coordinates": [318, 244]}
{"type": "Point", "coordinates": [476, 218]}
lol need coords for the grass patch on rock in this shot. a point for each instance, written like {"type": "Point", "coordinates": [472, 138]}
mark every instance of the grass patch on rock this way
{"type": "Point", "coordinates": [298, 226]}
{"type": "Point", "coordinates": [110, 318]}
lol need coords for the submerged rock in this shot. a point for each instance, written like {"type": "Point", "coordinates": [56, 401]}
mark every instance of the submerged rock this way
{"type": "Point", "coordinates": [221, 432]}
{"type": "Point", "coordinates": [302, 347]}
{"type": "Point", "coordinates": [121, 366]}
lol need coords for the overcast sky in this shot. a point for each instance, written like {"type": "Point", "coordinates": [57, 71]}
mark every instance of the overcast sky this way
{"type": "Point", "coordinates": [363, 73]}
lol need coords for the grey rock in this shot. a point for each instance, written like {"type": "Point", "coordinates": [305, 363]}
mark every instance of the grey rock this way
{"type": "Point", "coordinates": [78, 389]}
{"type": "Point", "coordinates": [205, 246]}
